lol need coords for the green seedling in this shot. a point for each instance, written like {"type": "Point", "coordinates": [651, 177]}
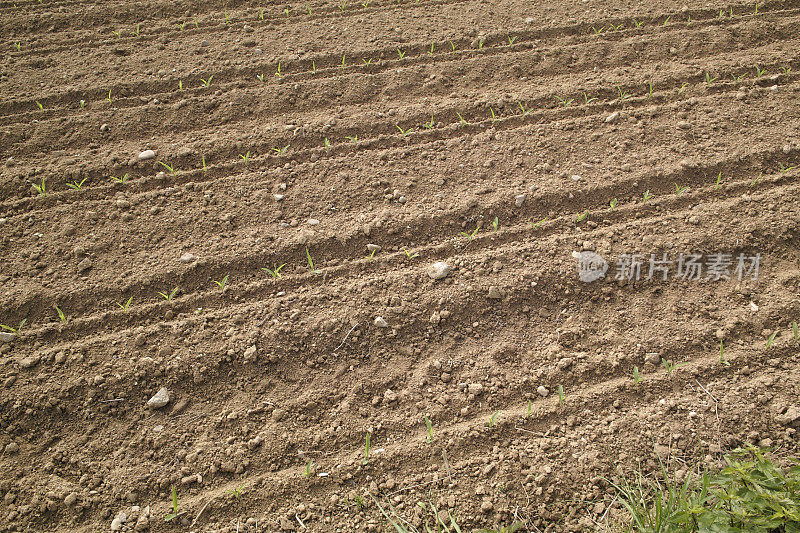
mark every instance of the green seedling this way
{"type": "Point", "coordinates": [326, 143]}
{"type": "Point", "coordinates": [409, 255]}
{"type": "Point", "coordinates": [432, 49]}
{"type": "Point", "coordinates": [759, 72]}
{"type": "Point", "coordinates": [344, 57]}
{"type": "Point", "coordinates": [127, 305]}
{"type": "Point", "coordinates": [401, 53]}
{"type": "Point", "coordinates": [281, 151]}
{"type": "Point", "coordinates": [560, 394]}
{"type": "Point", "coordinates": [429, 125]}
{"type": "Point", "coordinates": [77, 185]}
{"type": "Point", "coordinates": [718, 184]}
{"type": "Point", "coordinates": [786, 70]}
{"type": "Point", "coordinates": [245, 157]}
{"type": "Point", "coordinates": [261, 13]}
{"type": "Point", "coordinates": [461, 119]}
{"type": "Point", "coordinates": [666, 21]}
{"type": "Point", "coordinates": [41, 189]}
{"type": "Point", "coordinates": [278, 70]}
{"type": "Point", "coordinates": [537, 225]}
{"type": "Point", "coordinates": [530, 409]}
{"type": "Point", "coordinates": [650, 90]}
{"type": "Point", "coordinates": [522, 108]}
{"type": "Point", "coordinates": [174, 514]}
{"type": "Point", "coordinates": [680, 190]}
{"type": "Point", "coordinates": [636, 377]}
{"type": "Point", "coordinates": [227, 18]}
{"type": "Point", "coordinates": [170, 296]}
{"type": "Point", "coordinates": [181, 25]}
{"type": "Point", "coordinates": [108, 98]}
{"type": "Point", "coordinates": [237, 492]}
{"type": "Point", "coordinates": [168, 167]}
{"type": "Point", "coordinates": [512, 39]}
{"type": "Point", "coordinates": [16, 330]}
{"type": "Point", "coordinates": [196, 24]}
{"type": "Point", "coordinates": [207, 83]}
{"type": "Point", "coordinates": [647, 195]}
{"type": "Point", "coordinates": [366, 449]}
{"type": "Point", "coordinates": [311, 263]}
{"type": "Point", "coordinates": [222, 284]}
{"type": "Point", "coordinates": [771, 339]}
{"type": "Point", "coordinates": [756, 11]}
{"type": "Point", "coordinates": [709, 79]}
{"type": "Point", "coordinates": [286, 11]}
{"type": "Point", "coordinates": [495, 224]}
{"type": "Point", "coordinates": [618, 26]}
{"type": "Point", "coordinates": [494, 116]}
{"type": "Point", "coordinates": [670, 366]}
{"type": "Point", "coordinates": [403, 132]}
{"type": "Point", "coordinates": [370, 256]}
{"type": "Point", "coordinates": [582, 216]}
{"type": "Point", "coordinates": [683, 88]}
{"type": "Point", "coordinates": [470, 236]}
{"type": "Point", "coordinates": [39, 105]}
{"type": "Point", "coordinates": [622, 94]}
{"type": "Point", "coordinates": [61, 316]}
{"type": "Point", "coordinates": [564, 101]}
{"type": "Point", "coordinates": [203, 161]}
{"type": "Point", "coordinates": [260, 77]}
{"type": "Point", "coordinates": [307, 472]}
{"type": "Point", "coordinates": [480, 44]}
{"type": "Point", "coordinates": [613, 204]}
{"type": "Point", "coordinates": [18, 46]}
{"type": "Point", "coordinates": [136, 32]}
{"type": "Point", "coordinates": [429, 427]}
{"type": "Point", "coordinates": [353, 139]}
{"type": "Point", "coordinates": [755, 180]}
{"type": "Point", "coordinates": [795, 332]}
{"type": "Point", "coordinates": [82, 103]}
{"type": "Point", "coordinates": [342, 6]}
{"type": "Point", "coordinates": [739, 77]}
{"type": "Point", "coordinates": [314, 66]}
{"type": "Point", "coordinates": [587, 99]}
{"type": "Point", "coordinates": [180, 85]}
{"type": "Point", "coordinates": [637, 24]}
{"type": "Point", "coordinates": [598, 31]}
{"type": "Point", "coordinates": [275, 272]}
{"type": "Point", "coordinates": [366, 61]}
{"type": "Point", "coordinates": [722, 354]}
{"type": "Point", "coordinates": [452, 46]}
{"type": "Point", "coordinates": [785, 169]}
{"type": "Point", "coordinates": [117, 33]}
{"type": "Point", "coordinates": [493, 419]}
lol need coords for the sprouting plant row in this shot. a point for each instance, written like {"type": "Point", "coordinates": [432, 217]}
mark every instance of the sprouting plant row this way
{"type": "Point", "coordinates": [543, 227]}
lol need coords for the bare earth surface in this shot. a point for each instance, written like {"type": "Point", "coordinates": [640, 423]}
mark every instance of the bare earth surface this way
{"type": "Point", "coordinates": [290, 133]}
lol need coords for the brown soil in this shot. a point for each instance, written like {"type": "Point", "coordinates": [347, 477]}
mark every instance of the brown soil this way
{"type": "Point", "coordinates": [510, 112]}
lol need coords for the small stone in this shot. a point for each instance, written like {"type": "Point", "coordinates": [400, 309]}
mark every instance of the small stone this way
{"type": "Point", "coordinates": [187, 258]}
{"type": "Point", "coordinates": [542, 391]}
{"type": "Point", "coordinates": [612, 117]}
{"type": "Point", "coordinates": [519, 200]}
{"type": "Point", "coordinates": [12, 448]}
{"type": "Point", "coordinates": [487, 506]}
{"type": "Point", "coordinates": [373, 248]}
{"type": "Point", "coordinates": [791, 415]}
{"type": "Point", "coordinates": [147, 154]}
{"type": "Point", "coordinates": [6, 336]}
{"type": "Point", "coordinates": [381, 322]}
{"type": "Point", "coordinates": [653, 358]}
{"type": "Point", "coordinates": [84, 265]}
{"type": "Point", "coordinates": [439, 270]}
{"type": "Point", "coordinates": [475, 388]}
{"type": "Point", "coordinates": [29, 362]}
{"type": "Point", "coordinates": [104, 127]}
{"type": "Point", "coordinates": [160, 399]}
{"type": "Point", "coordinates": [71, 498]}
{"type": "Point", "coordinates": [250, 354]}
{"type": "Point", "coordinates": [389, 396]}
{"type": "Point", "coordinates": [118, 521]}
{"type": "Point", "coordinates": [313, 221]}
{"type": "Point", "coordinates": [278, 197]}
{"type": "Point", "coordinates": [576, 177]}
{"type": "Point", "coordinates": [494, 293]}
{"type": "Point", "coordinates": [684, 125]}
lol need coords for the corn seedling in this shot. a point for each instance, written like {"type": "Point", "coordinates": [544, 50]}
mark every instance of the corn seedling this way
{"type": "Point", "coordinates": [409, 255]}
{"type": "Point", "coordinates": [16, 330]}
{"type": "Point", "coordinates": [560, 394]}
{"type": "Point", "coordinates": [670, 366]}
{"type": "Point", "coordinates": [429, 125]}
{"type": "Point", "coordinates": [343, 6]}
{"type": "Point", "coordinates": [39, 105]}
{"type": "Point", "coordinates": [174, 514]}
{"type": "Point", "coordinates": [61, 316]}
{"type": "Point", "coordinates": [683, 88]}
{"type": "Point", "coordinates": [522, 108]}
{"type": "Point", "coordinates": [278, 70]}
{"type": "Point", "coordinates": [494, 116]}
{"type": "Point", "coordinates": [311, 263]}
{"type": "Point", "coordinates": [275, 272]}
{"type": "Point", "coordinates": [117, 33]}
{"type": "Point", "coordinates": [180, 85]}
{"type": "Point", "coordinates": [722, 354]}
{"type": "Point", "coordinates": [430, 52]}
{"type": "Point", "coordinates": [280, 151]}
{"type": "Point", "coordinates": [718, 184]}
{"type": "Point", "coordinates": [41, 189]}
{"type": "Point", "coordinates": [344, 57]}
{"type": "Point", "coordinates": [647, 195]}
{"type": "Point", "coordinates": [582, 216]}
{"type": "Point", "coordinates": [260, 77]}
{"type": "Point", "coordinates": [564, 101]}
{"type": "Point", "coordinates": [666, 21]}
{"type": "Point", "coordinates": [170, 296]}
{"type": "Point", "coordinates": [403, 132]}
{"type": "Point", "coordinates": [136, 32]}
{"type": "Point", "coordinates": [680, 190]}
{"type": "Point", "coordinates": [771, 339]}
{"type": "Point", "coordinates": [82, 103]}
{"type": "Point", "coordinates": [401, 53]}
{"type": "Point", "coordinates": [470, 236]}
{"type": "Point", "coordinates": [366, 449]}
{"type": "Point", "coordinates": [261, 13]}
{"type": "Point", "coordinates": [637, 24]}
{"type": "Point", "coordinates": [227, 18]}
{"type": "Point", "coordinates": [108, 98]}
{"type": "Point", "coordinates": [245, 157]}
{"type": "Point", "coordinates": [618, 26]}
{"type": "Point", "coordinates": [313, 67]}
{"type": "Point", "coordinates": [370, 256]}
{"type": "Point", "coordinates": [709, 79]}
{"type": "Point", "coordinates": [286, 11]}
{"type": "Point", "coordinates": [168, 167]}
{"type": "Point", "coordinates": [326, 143]}
{"type": "Point", "coordinates": [207, 83]}
{"type": "Point", "coordinates": [429, 427]}
{"type": "Point", "coordinates": [366, 61]}
{"type": "Point", "coordinates": [203, 161]}
{"type": "Point", "coordinates": [613, 204]}
{"type": "Point", "coordinates": [622, 94]}
{"type": "Point", "coordinates": [127, 305]}
{"type": "Point", "coordinates": [307, 472]}
{"type": "Point", "coordinates": [18, 46]}
{"type": "Point", "coordinates": [495, 224]}
{"type": "Point", "coordinates": [598, 31]}
{"type": "Point", "coordinates": [785, 169]}
{"type": "Point", "coordinates": [739, 77]}
{"type": "Point", "coordinates": [512, 39]}
{"type": "Point", "coordinates": [181, 25]}
{"type": "Point", "coordinates": [121, 180]}
{"type": "Point", "coordinates": [537, 225]}
{"type": "Point", "coordinates": [587, 99]}
{"type": "Point", "coordinates": [755, 180]}
{"type": "Point", "coordinates": [222, 284]}
{"type": "Point", "coordinates": [365, 4]}
{"type": "Point", "coordinates": [756, 11]}
{"type": "Point", "coordinates": [461, 119]}
{"type": "Point", "coordinates": [452, 46]}
{"type": "Point", "coordinates": [795, 332]}
{"type": "Point", "coordinates": [493, 419]}
{"type": "Point", "coordinates": [786, 70]}
{"type": "Point", "coordinates": [237, 492]}
{"type": "Point", "coordinates": [759, 72]}
{"type": "Point", "coordinates": [353, 139]}
{"type": "Point", "coordinates": [650, 90]}
{"type": "Point", "coordinates": [196, 24]}
{"type": "Point", "coordinates": [529, 412]}
{"type": "Point", "coordinates": [636, 377]}
{"type": "Point", "coordinates": [480, 44]}
{"type": "Point", "coordinates": [77, 185]}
